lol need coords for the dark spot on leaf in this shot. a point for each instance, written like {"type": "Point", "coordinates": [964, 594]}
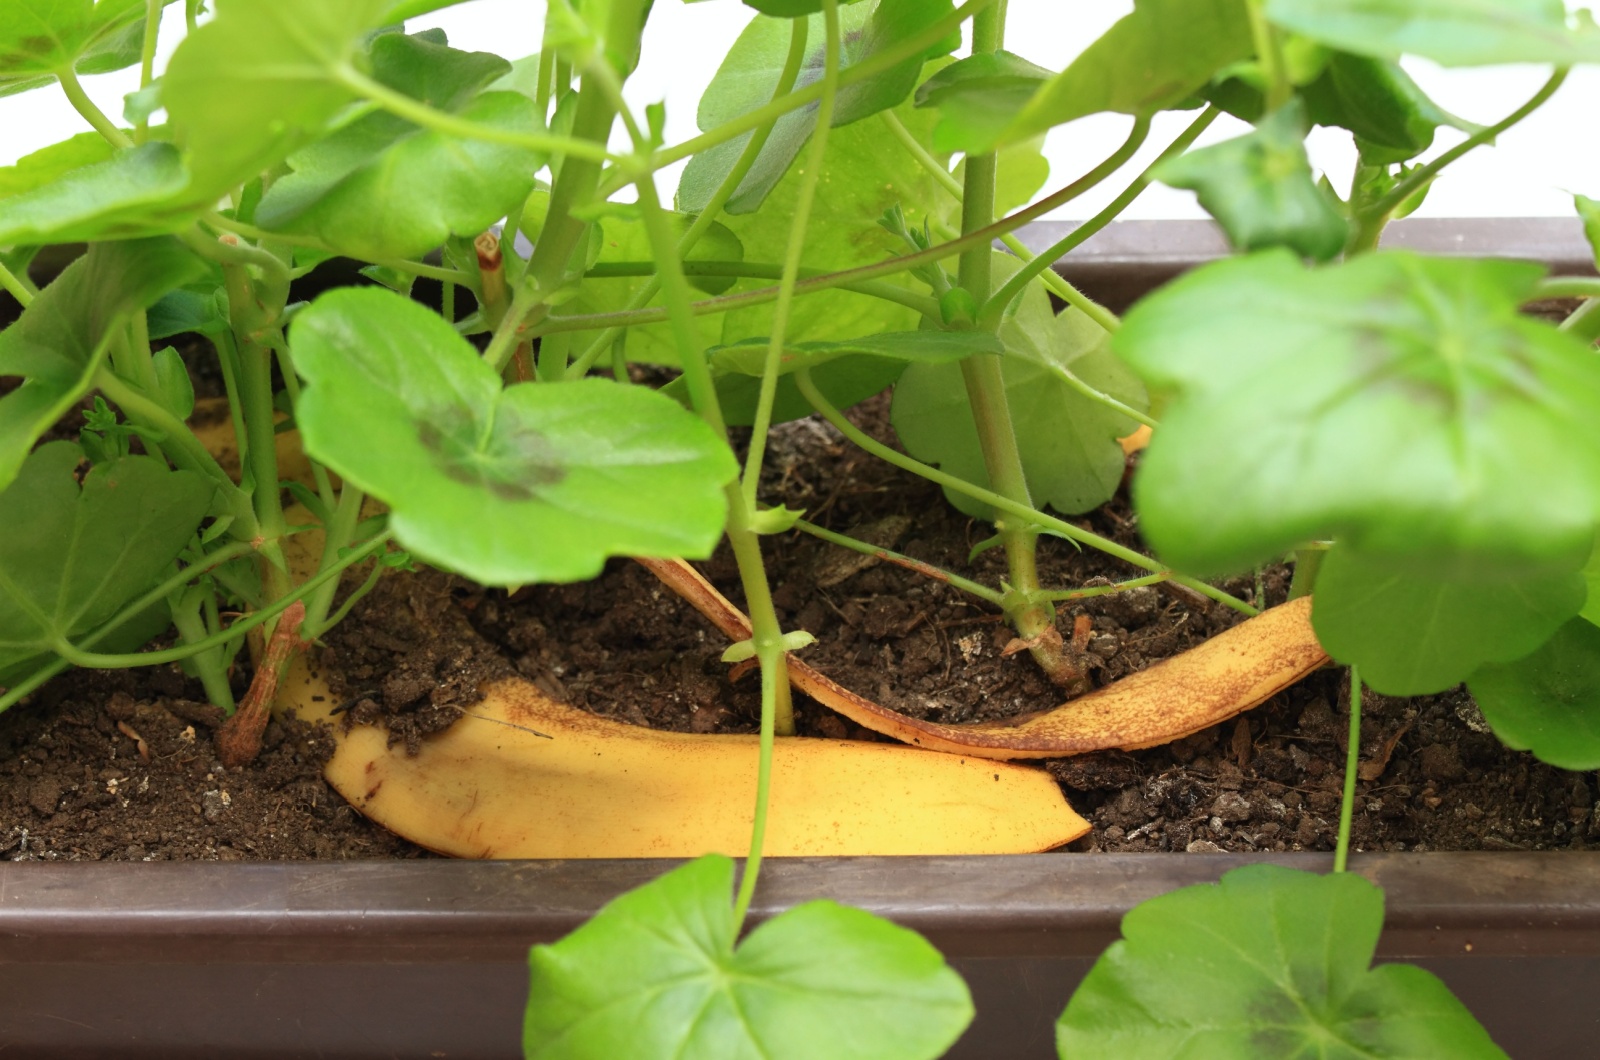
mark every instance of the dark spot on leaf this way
{"type": "Point", "coordinates": [511, 460]}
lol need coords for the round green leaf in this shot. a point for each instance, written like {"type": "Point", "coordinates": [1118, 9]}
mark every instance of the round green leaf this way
{"type": "Point", "coordinates": [1414, 634]}
{"type": "Point", "coordinates": [1269, 962]}
{"type": "Point", "coordinates": [656, 975]}
{"type": "Point", "coordinates": [1398, 402]}
{"type": "Point", "coordinates": [1548, 702]}
{"type": "Point", "coordinates": [978, 97]}
{"type": "Point", "coordinates": [530, 483]}
{"type": "Point", "coordinates": [1068, 443]}
{"type": "Point", "coordinates": [135, 192]}
{"type": "Point", "coordinates": [39, 38]}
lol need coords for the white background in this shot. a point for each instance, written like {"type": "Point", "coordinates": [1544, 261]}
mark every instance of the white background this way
{"type": "Point", "coordinates": [1531, 172]}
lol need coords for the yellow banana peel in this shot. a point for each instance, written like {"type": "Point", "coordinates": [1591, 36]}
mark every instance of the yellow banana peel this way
{"type": "Point", "coordinates": [1230, 673]}
{"type": "Point", "coordinates": [523, 776]}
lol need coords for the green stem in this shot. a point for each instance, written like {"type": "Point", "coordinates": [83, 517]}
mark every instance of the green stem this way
{"type": "Point", "coordinates": [1404, 190]}
{"type": "Point", "coordinates": [14, 285]}
{"type": "Point", "coordinates": [909, 48]}
{"type": "Point", "coordinates": [879, 289]}
{"type": "Point", "coordinates": [1307, 562]}
{"type": "Point", "coordinates": [210, 664]}
{"type": "Point", "coordinates": [1584, 322]}
{"type": "Point", "coordinates": [1067, 376]}
{"type": "Point", "coordinates": [1566, 287]}
{"type": "Point", "coordinates": [966, 585]}
{"type": "Point", "coordinates": [995, 308]}
{"type": "Point", "coordinates": [92, 114]}
{"type": "Point", "coordinates": [798, 30]}
{"type": "Point", "coordinates": [809, 391]}
{"type": "Point", "coordinates": [1352, 759]}
{"type": "Point", "coordinates": [1105, 590]}
{"type": "Point", "coordinates": [78, 657]}
{"type": "Point", "coordinates": [147, 56]}
{"type": "Point", "coordinates": [1269, 54]}
{"type": "Point", "coordinates": [891, 267]}
{"type": "Point", "coordinates": [411, 268]}
{"type": "Point", "coordinates": [773, 670]}
{"type": "Point", "coordinates": [805, 199]}
{"type": "Point", "coordinates": [291, 386]}
{"type": "Point", "coordinates": [185, 449]}
{"type": "Point", "coordinates": [339, 534]}
{"type": "Point", "coordinates": [402, 105]}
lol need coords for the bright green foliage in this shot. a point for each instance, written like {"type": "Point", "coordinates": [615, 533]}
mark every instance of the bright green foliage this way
{"type": "Point", "coordinates": [260, 79]}
{"type": "Point", "coordinates": [750, 73]}
{"type": "Point", "coordinates": [135, 192]}
{"type": "Point", "coordinates": [1451, 32]}
{"type": "Point", "coordinates": [978, 97]}
{"type": "Point", "coordinates": [845, 372]}
{"type": "Point", "coordinates": [40, 37]}
{"type": "Point", "coordinates": [1548, 702]}
{"type": "Point", "coordinates": [864, 173]}
{"type": "Point", "coordinates": [1397, 402]}
{"type": "Point", "coordinates": [1413, 634]}
{"type": "Point", "coordinates": [618, 235]}
{"type": "Point", "coordinates": [53, 162]}
{"type": "Point", "coordinates": [1392, 118]}
{"type": "Point", "coordinates": [532, 483]}
{"type": "Point", "coordinates": [1260, 188]}
{"type": "Point", "coordinates": [659, 973]}
{"type": "Point", "coordinates": [788, 8]}
{"type": "Point", "coordinates": [61, 339]}
{"type": "Point", "coordinates": [1069, 443]}
{"type": "Point", "coordinates": [1268, 962]}
{"type": "Point", "coordinates": [71, 558]}
{"type": "Point", "coordinates": [1589, 211]}
{"type": "Point", "coordinates": [382, 187]}
{"type": "Point", "coordinates": [1154, 59]}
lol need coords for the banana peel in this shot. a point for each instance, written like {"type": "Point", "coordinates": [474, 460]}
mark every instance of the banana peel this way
{"type": "Point", "coordinates": [523, 776]}
{"type": "Point", "coordinates": [1230, 673]}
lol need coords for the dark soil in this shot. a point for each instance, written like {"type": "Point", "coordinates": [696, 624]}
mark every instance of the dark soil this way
{"type": "Point", "coordinates": [1434, 777]}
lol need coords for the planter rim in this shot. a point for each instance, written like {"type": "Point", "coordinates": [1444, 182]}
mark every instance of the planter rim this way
{"type": "Point", "coordinates": [1040, 905]}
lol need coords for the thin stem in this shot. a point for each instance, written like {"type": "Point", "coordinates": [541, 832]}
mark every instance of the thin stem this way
{"type": "Point", "coordinates": [14, 285]}
{"type": "Point", "coordinates": [92, 114]}
{"type": "Point", "coordinates": [1067, 376]}
{"type": "Point", "coordinates": [402, 105]}
{"type": "Point", "coordinates": [339, 534]}
{"type": "Point", "coordinates": [1105, 590]}
{"type": "Point", "coordinates": [805, 199]}
{"type": "Point", "coordinates": [966, 585]}
{"type": "Point", "coordinates": [770, 694]}
{"type": "Point", "coordinates": [890, 267]}
{"type": "Point", "coordinates": [798, 30]}
{"type": "Point", "coordinates": [1566, 287]}
{"type": "Point", "coordinates": [809, 391]}
{"type": "Point", "coordinates": [909, 48]}
{"type": "Point", "coordinates": [147, 57]}
{"type": "Point", "coordinates": [78, 657]}
{"type": "Point", "coordinates": [212, 667]}
{"type": "Point", "coordinates": [411, 268]}
{"type": "Point", "coordinates": [1307, 562]}
{"type": "Point", "coordinates": [1584, 322]}
{"type": "Point", "coordinates": [996, 306]}
{"type": "Point", "coordinates": [1269, 53]}
{"type": "Point", "coordinates": [1352, 760]}
{"type": "Point", "coordinates": [887, 292]}
{"type": "Point", "coordinates": [1418, 178]}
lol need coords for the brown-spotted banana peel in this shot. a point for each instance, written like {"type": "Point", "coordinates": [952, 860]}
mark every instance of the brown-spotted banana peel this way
{"type": "Point", "coordinates": [522, 776]}
{"type": "Point", "coordinates": [1232, 672]}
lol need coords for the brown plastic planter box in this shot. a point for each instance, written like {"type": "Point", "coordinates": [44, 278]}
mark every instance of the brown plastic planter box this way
{"type": "Point", "coordinates": [427, 958]}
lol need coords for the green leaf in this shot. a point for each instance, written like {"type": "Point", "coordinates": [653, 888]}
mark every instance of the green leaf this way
{"type": "Point", "coordinates": [71, 558]}
{"type": "Point", "coordinates": [1450, 32]}
{"type": "Point", "coordinates": [1392, 118]}
{"type": "Point", "coordinates": [657, 974]}
{"type": "Point", "coordinates": [1261, 190]}
{"type": "Point", "coordinates": [788, 8]}
{"type": "Point", "coordinates": [1069, 443]}
{"type": "Point", "coordinates": [1268, 962]}
{"type": "Point", "coordinates": [846, 372]}
{"type": "Point", "coordinates": [135, 192]}
{"type": "Point", "coordinates": [1415, 635]}
{"type": "Point", "coordinates": [748, 76]}
{"type": "Point", "coordinates": [51, 163]}
{"type": "Point", "coordinates": [63, 335]}
{"type": "Point", "coordinates": [530, 483]}
{"type": "Point", "coordinates": [864, 173]}
{"type": "Point", "coordinates": [1548, 702]}
{"type": "Point", "coordinates": [40, 37]}
{"type": "Point", "coordinates": [1398, 402]}
{"type": "Point", "coordinates": [259, 80]}
{"type": "Point", "coordinates": [1152, 60]}
{"type": "Point", "coordinates": [383, 187]}
{"type": "Point", "coordinates": [1589, 210]}
{"type": "Point", "coordinates": [978, 98]}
